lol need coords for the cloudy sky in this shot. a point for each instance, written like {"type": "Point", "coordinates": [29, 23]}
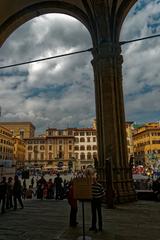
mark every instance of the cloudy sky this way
{"type": "Point", "coordinates": [60, 93]}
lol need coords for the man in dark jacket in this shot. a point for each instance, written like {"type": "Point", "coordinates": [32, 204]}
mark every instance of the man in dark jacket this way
{"type": "Point", "coordinates": [58, 183]}
{"type": "Point", "coordinates": [17, 193]}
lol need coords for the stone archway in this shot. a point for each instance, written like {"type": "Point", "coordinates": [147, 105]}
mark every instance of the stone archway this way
{"type": "Point", "coordinates": [104, 19]}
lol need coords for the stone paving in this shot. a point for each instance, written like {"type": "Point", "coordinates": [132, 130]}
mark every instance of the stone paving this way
{"type": "Point", "coordinates": [48, 220]}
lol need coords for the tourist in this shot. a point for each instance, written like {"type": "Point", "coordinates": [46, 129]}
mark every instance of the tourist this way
{"type": "Point", "coordinates": [32, 182]}
{"type": "Point", "coordinates": [97, 195]}
{"type": "Point", "coordinates": [73, 203]}
{"type": "Point", "coordinates": [58, 184]}
{"type": "Point", "coordinates": [3, 192]}
{"type": "Point", "coordinates": [9, 202]}
{"type": "Point", "coordinates": [40, 187]}
{"type": "Point", "coordinates": [17, 192]}
{"type": "Point", "coordinates": [50, 185]}
{"type": "Point", "coordinates": [156, 189]}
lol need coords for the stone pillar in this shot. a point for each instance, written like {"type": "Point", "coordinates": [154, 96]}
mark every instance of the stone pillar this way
{"type": "Point", "coordinates": [111, 133]}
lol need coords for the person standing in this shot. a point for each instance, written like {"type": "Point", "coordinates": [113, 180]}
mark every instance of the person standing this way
{"type": "Point", "coordinates": [73, 203]}
{"type": "Point", "coordinates": [17, 192]}
{"type": "Point", "coordinates": [97, 195]}
{"type": "Point", "coordinates": [58, 183]}
{"type": "Point", "coordinates": [9, 203]}
{"type": "Point", "coordinates": [32, 182]}
{"type": "Point", "coordinates": [3, 192]}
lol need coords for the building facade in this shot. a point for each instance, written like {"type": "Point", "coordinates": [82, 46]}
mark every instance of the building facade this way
{"type": "Point", "coordinates": [147, 143]}
{"type": "Point", "coordinates": [19, 152]}
{"type": "Point", "coordinates": [129, 135]}
{"type": "Point", "coordinates": [62, 149]}
{"type": "Point", "coordinates": [54, 150]}
{"type": "Point", "coordinates": [7, 164]}
{"type": "Point", "coordinates": [20, 129]}
{"type": "Point", "coordinates": [85, 147]}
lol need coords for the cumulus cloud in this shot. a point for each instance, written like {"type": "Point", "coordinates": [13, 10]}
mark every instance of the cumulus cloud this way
{"type": "Point", "coordinates": [141, 62]}
{"type": "Point", "coordinates": [56, 93]}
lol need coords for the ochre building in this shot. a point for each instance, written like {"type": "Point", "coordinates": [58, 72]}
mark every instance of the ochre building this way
{"type": "Point", "coordinates": [19, 152]}
{"type": "Point", "coordinates": [147, 142]}
{"type": "Point", "coordinates": [7, 165]}
{"type": "Point", "coordinates": [20, 129]}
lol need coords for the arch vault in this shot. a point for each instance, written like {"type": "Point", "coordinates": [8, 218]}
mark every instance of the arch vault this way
{"type": "Point", "coordinates": [103, 19]}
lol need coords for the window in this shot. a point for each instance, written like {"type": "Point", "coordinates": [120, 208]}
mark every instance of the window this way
{"type": "Point", "coordinates": [76, 140]}
{"type": "Point", "coordinates": [88, 133]}
{"type": "Point", "coordinates": [94, 147]}
{"type": "Point", "coordinates": [89, 156]}
{"type": "Point", "coordinates": [82, 148]}
{"type": "Point", "coordinates": [50, 147]}
{"type": "Point", "coordinates": [70, 132]}
{"type": "Point", "coordinates": [70, 147]}
{"type": "Point", "coordinates": [76, 148]}
{"type": "Point", "coordinates": [60, 148]}
{"type": "Point", "coordinates": [94, 139]}
{"type": "Point", "coordinates": [29, 147]}
{"type": "Point", "coordinates": [82, 156]}
{"type": "Point", "coordinates": [88, 147]}
{"type": "Point", "coordinates": [88, 139]}
{"type": "Point", "coordinates": [81, 133]}
{"type": "Point", "coordinates": [41, 147]}
{"type": "Point", "coordinates": [35, 148]}
{"type": "Point", "coordinates": [82, 139]}
{"type": "Point", "coordinates": [60, 133]}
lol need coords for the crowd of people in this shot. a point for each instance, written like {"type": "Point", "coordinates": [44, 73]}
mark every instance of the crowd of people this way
{"type": "Point", "coordinates": [13, 190]}
{"type": "Point", "coordinates": [10, 192]}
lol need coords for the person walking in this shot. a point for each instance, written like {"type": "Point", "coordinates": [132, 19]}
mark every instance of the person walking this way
{"type": "Point", "coordinates": [97, 195]}
{"type": "Point", "coordinates": [17, 193]}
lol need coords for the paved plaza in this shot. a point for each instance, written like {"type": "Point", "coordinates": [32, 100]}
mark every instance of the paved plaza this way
{"type": "Point", "coordinates": [48, 220]}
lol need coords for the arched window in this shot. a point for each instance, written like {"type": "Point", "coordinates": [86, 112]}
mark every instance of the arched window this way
{"type": "Point", "coordinates": [89, 157]}
{"type": "Point", "coordinates": [94, 155]}
{"type": "Point", "coordinates": [82, 148]}
{"type": "Point", "coordinates": [82, 156]}
{"type": "Point", "coordinates": [94, 147]}
{"type": "Point", "coordinates": [77, 140]}
{"type": "Point", "coordinates": [76, 148]}
{"type": "Point", "coordinates": [88, 147]}
{"type": "Point", "coordinates": [82, 139]}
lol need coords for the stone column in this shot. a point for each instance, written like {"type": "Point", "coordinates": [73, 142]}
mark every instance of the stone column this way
{"type": "Point", "coordinates": [111, 133]}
